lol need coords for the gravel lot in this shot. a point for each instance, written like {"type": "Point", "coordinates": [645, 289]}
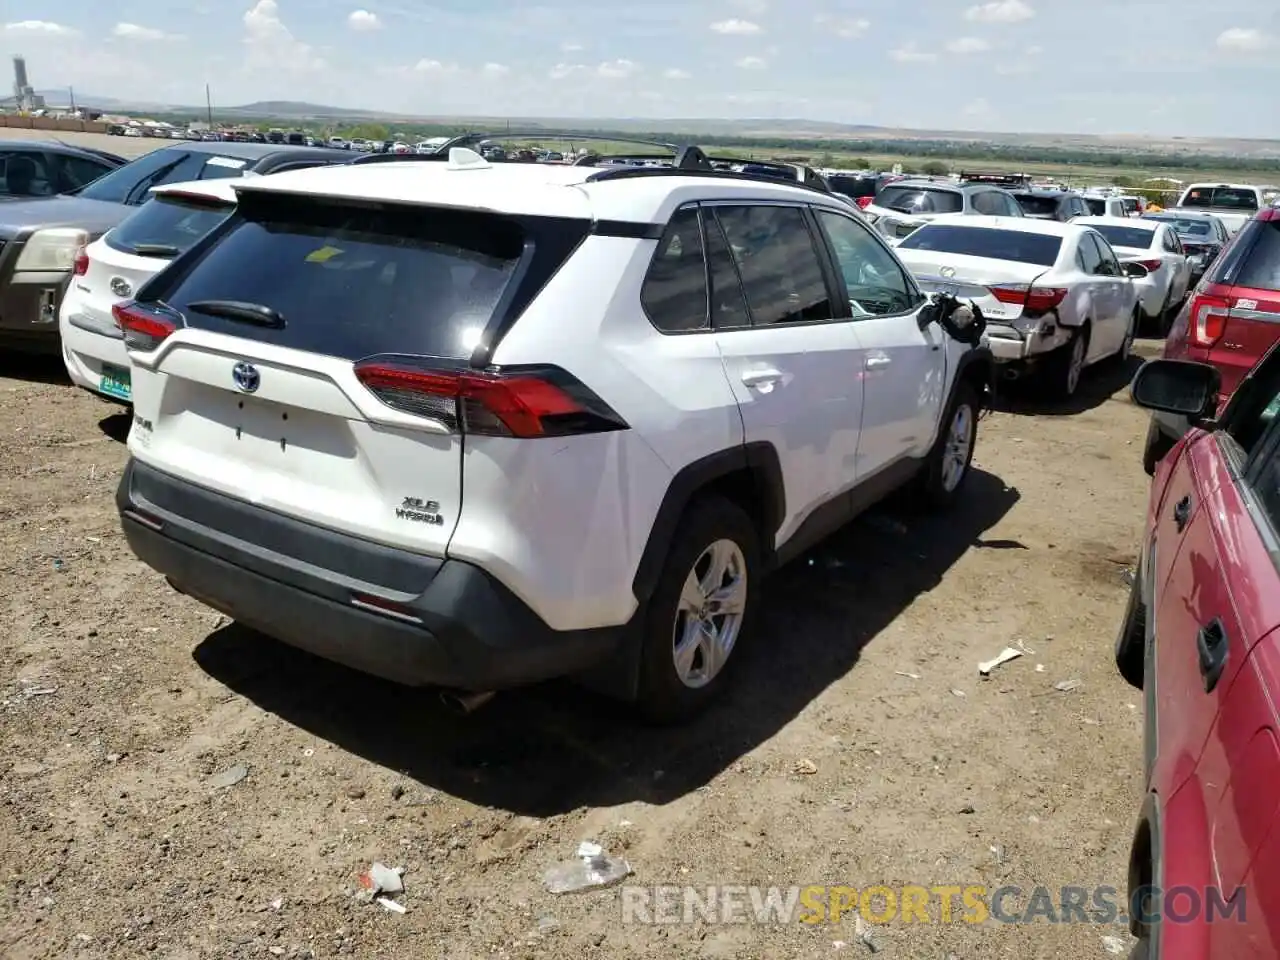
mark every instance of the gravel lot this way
{"type": "Point", "coordinates": [129, 147]}
{"type": "Point", "coordinates": [861, 747]}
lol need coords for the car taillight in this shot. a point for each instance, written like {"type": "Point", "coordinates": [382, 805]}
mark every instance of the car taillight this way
{"type": "Point", "coordinates": [1033, 300]}
{"type": "Point", "coordinates": [81, 265]}
{"type": "Point", "coordinates": [864, 202]}
{"type": "Point", "coordinates": [142, 328]}
{"type": "Point", "coordinates": [1151, 265]}
{"type": "Point", "coordinates": [522, 402]}
{"type": "Point", "coordinates": [1208, 319]}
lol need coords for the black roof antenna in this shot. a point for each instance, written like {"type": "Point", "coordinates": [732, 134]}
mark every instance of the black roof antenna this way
{"type": "Point", "coordinates": [692, 158]}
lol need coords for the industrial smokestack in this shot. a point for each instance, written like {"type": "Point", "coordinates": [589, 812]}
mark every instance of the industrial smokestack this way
{"type": "Point", "coordinates": [20, 73]}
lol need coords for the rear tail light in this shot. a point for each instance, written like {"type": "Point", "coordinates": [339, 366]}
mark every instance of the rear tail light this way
{"type": "Point", "coordinates": [1151, 265]}
{"type": "Point", "coordinates": [143, 329]}
{"type": "Point", "coordinates": [81, 264]}
{"type": "Point", "coordinates": [522, 402]}
{"type": "Point", "coordinates": [1208, 319]}
{"type": "Point", "coordinates": [864, 202]}
{"type": "Point", "coordinates": [1033, 300]}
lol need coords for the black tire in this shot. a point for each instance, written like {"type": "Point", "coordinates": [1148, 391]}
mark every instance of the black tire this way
{"type": "Point", "coordinates": [1155, 448]}
{"type": "Point", "coordinates": [1141, 950]}
{"type": "Point", "coordinates": [663, 697]}
{"type": "Point", "coordinates": [1131, 641]}
{"type": "Point", "coordinates": [1121, 356]}
{"type": "Point", "coordinates": [1058, 380]}
{"type": "Point", "coordinates": [931, 491]}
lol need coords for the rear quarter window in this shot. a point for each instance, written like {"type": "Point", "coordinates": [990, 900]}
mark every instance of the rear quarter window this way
{"type": "Point", "coordinates": [354, 281]}
{"type": "Point", "coordinates": [1252, 259]}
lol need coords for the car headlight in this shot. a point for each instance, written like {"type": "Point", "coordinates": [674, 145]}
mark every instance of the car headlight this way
{"type": "Point", "coordinates": [52, 250]}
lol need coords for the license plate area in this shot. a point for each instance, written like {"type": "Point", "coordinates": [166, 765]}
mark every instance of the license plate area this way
{"type": "Point", "coordinates": [116, 382]}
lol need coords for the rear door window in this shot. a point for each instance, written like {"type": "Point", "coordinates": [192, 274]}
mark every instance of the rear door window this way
{"type": "Point", "coordinates": [1261, 266]}
{"type": "Point", "coordinates": [131, 183]}
{"type": "Point", "coordinates": [26, 173]}
{"type": "Point", "coordinates": [674, 293]}
{"type": "Point", "coordinates": [1089, 257]}
{"type": "Point", "coordinates": [80, 171]}
{"type": "Point", "coordinates": [167, 225]}
{"type": "Point", "coordinates": [351, 281]}
{"type": "Point", "coordinates": [779, 263]}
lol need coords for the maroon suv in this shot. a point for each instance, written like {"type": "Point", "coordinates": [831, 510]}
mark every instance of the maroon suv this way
{"type": "Point", "coordinates": [1230, 320]}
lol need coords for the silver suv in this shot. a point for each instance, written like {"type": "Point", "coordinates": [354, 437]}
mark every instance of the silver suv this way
{"type": "Point", "coordinates": [904, 206]}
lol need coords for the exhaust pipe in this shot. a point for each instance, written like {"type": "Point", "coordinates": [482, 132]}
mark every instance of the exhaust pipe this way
{"type": "Point", "coordinates": [464, 702]}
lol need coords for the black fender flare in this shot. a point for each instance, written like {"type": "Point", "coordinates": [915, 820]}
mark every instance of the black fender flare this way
{"type": "Point", "coordinates": [759, 459]}
{"type": "Point", "coordinates": [1148, 823]}
{"type": "Point", "coordinates": [977, 364]}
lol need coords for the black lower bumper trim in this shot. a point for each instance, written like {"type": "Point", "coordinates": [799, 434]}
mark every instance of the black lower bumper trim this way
{"type": "Point", "coordinates": [472, 632]}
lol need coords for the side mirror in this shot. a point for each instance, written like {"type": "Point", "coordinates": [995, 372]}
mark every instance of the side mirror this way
{"type": "Point", "coordinates": [1134, 271]}
{"type": "Point", "coordinates": [1178, 386]}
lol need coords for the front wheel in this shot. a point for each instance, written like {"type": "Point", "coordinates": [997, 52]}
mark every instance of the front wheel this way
{"type": "Point", "coordinates": [947, 467]}
{"type": "Point", "coordinates": [702, 612]}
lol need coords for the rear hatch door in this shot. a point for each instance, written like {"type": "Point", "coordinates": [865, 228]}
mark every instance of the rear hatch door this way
{"type": "Point", "coordinates": [1247, 281]}
{"type": "Point", "coordinates": [256, 394]}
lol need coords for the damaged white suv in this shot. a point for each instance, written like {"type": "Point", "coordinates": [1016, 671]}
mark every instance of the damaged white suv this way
{"type": "Point", "coordinates": [478, 425]}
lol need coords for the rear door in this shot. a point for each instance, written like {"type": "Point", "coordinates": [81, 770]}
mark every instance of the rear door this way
{"type": "Point", "coordinates": [267, 406]}
{"type": "Point", "coordinates": [1111, 300]}
{"type": "Point", "coordinates": [791, 353]}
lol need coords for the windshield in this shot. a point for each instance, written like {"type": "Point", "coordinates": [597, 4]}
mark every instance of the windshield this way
{"type": "Point", "coordinates": [1017, 245]}
{"type": "Point", "coordinates": [1133, 237]}
{"type": "Point", "coordinates": [920, 200]}
{"type": "Point", "coordinates": [1227, 198]}
{"type": "Point", "coordinates": [167, 225]}
{"type": "Point", "coordinates": [1186, 228]}
{"type": "Point", "coordinates": [1037, 206]}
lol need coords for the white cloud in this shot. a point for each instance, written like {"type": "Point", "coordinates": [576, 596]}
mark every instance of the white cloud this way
{"type": "Point", "coordinates": [849, 28]}
{"type": "Point", "coordinates": [131, 31]}
{"type": "Point", "coordinates": [675, 73]}
{"type": "Point", "coordinates": [1245, 40]}
{"type": "Point", "coordinates": [271, 45]}
{"type": "Point", "coordinates": [562, 71]}
{"type": "Point", "coordinates": [1000, 11]}
{"type": "Point", "coordinates": [495, 69]}
{"type": "Point", "coordinates": [42, 27]}
{"type": "Point", "coordinates": [737, 28]}
{"type": "Point", "coordinates": [616, 69]}
{"type": "Point", "coordinates": [363, 21]}
{"type": "Point", "coordinates": [427, 67]}
{"type": "Point", "coordinates": [968, 45]}
{"type": "Point", "coordinates": [752, 63]}
{"type": "Point", "coordinates": [911, 53]}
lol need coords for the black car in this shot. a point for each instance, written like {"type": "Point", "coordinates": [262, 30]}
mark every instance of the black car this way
{"type": "Point", "coordinates": [33, 168]}
{"type": "Point", "coordinates": [32, 281]}
{"type": "Point", "coordinates": [1203, 237]}
{"type": "Point", "coordinates": [1060, 205]}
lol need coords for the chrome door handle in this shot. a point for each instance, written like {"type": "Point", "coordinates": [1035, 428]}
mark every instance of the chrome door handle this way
{"type": "Point", "coordinates": [874, 362]}
{"type": "Point", "coordinates": [761, 378]}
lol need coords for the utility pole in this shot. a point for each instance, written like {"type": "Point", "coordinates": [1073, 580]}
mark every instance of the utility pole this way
{"type": "Point", "coordinates": [208, 106]}
{"type": "Point", "coordinates": [72, 92]}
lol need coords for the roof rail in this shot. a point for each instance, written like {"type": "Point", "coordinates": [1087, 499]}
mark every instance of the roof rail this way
{"type": "Point", "coordinates": [627, 173]}
{"type": "Point", "coordinates": [997, 179]}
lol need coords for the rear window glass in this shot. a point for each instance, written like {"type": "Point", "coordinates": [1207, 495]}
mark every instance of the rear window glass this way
{"type": "Point", "coordinates": [1130, 205]}
{"type": "Point", "coordinates": [352, 282]}
{"type": "Point", "coordinates": [1097, 206]}
{"type": "Point", "coordinates": [1133, 237]}
{"type": "Point", "coordinates": [1016, 245]}
{"type": "Point", "coordinates": [166, 226]}
{"type": "Point", "coordinates": [854, 187]}
{"type": "Point", "coordinates": [920, 200]}
{"type": "Point", "coordinates": [1034, 206]}
{"type": "Point", "coordinates": [1228, 198]}
{"type": "Point", "coordinates": [1260, 265]}
{"type": "Point", "coordinates": [1185, 228]}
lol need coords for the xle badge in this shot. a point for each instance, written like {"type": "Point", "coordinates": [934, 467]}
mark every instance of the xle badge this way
{"type": "Point", "coordinates": [420, 511]}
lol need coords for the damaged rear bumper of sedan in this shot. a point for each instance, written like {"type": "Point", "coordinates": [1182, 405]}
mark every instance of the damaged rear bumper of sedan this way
{"type": "Point", "coordinates": [1019, 348]}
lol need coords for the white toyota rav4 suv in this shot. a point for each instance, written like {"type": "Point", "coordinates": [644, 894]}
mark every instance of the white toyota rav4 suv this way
{"type": "Point", "coordinates": [477, 425]}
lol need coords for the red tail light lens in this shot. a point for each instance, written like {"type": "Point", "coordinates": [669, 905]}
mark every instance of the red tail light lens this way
{"type": "Point", "coordinates": [1208, 319]}
{"type": "Point", "coordinates": [142, 328]}
{"type": "Point", "coordinates": [524, 402]}
{"type": "Point", "coordinates": [864, 202]}
{"type": "Point", "coordinates": [1033, 300]}
{"type": "Point", "coordinates": [81, 265]}
{"type": "Point", "coordinates": [1151, 265]}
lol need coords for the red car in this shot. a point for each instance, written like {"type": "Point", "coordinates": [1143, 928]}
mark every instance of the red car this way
{"type": "Point", "coordinates": [1230, 320]}
{"type": "Point", "coordinates": [1201, 638]}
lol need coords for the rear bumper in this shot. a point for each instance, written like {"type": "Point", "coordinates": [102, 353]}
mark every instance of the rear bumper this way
{"type": "Point", "coordinates": [1016, 348]}
{"type": "Point", "coordinates": [452, 623]}
{"type": "Point", "coordinates": [84, 352]}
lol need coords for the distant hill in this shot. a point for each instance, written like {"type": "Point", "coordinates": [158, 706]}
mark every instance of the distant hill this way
{"type": "Point", "coordinates": [297, 109]}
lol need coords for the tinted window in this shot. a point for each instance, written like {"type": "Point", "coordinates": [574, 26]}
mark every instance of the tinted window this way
{"type": "Point", "coordinates": [1097, 206]}
{"type": "Point", "coordinates": [674, 294]}
{"type": "Point", "coordinates": [1037, 206]}
{"type": "Point", "coordinates": [1089, 256]}
{"type": "Point", "coordinates": [26, 173]}
{"type": "Point", "coordinates": [352, 282]}
{"type": "Point", "coordinates": [1256, 257]}
{"type": "Point", "coordinates": [1267, 486]}
{"type": "Point", "coordinates": [778, 263]}
{"type": "Point", "coordinates": [130, 183]}
{"type": "Point", "coordinates": [80, 171]}
{"type": "Point", "coordinates": [1130, 205]}
{"type": "Point", "coordinates": [1191, 229]}
{"type": "Point", "coordinates": [1125, 236]}
{"type": "Point", "coordinates": [875, 283]}
{"type": "Point", "coordinates": [728, 304]}
{"type": "Point", "coordinates": [854, 187]}
{"type": "Point", "coordinates": [1016, 245]}
{"type": "Point", "coordinates": [1110, 266]}
{"type": "Point", "coordinates": [919, 200]}
{"type": "Point", "coordinates": [167, 226]}
{"type": "Point", "coordinates": [989, 204]}
{"type": "Point", "coordinates": [1228, 198]}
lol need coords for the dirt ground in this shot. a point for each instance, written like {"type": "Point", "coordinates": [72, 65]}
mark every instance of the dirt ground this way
{"type": "Point", "coordinates": [861, 746]}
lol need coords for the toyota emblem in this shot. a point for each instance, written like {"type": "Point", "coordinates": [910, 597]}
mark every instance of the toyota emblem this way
{"type": "Point", "coordinates": [948, 272]}
{"type": "Point", "coordinates": [121, 287]}
{"type": "Point", "coordinates": [246, 376]}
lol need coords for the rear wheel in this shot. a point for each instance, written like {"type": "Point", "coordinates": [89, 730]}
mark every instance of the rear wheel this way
{"type": "Point", "coordinates": [702, 611]}
{"type": "Point", "coordinates": [1066, 366]}
{"type": "Point", "coordinates": [1131, 642]}
{"type": "Point", "coordinates": [1126, 348]}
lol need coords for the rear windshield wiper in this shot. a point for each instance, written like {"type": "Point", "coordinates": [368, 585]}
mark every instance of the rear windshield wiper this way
{"type": "Point", "coordinates": [154, 250]}
{"type": "Point", "coordinates": [255, 313]}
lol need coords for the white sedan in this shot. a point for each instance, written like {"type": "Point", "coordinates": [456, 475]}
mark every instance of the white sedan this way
{"type": "Point", "coordinates": [1155, 245]}
{"type": "Point", "coordinates": [1055, 295]}
{"type": "Point", "coordinates": [113, 267]}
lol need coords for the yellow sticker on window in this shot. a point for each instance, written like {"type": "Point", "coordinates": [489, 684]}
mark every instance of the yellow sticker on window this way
{"type": "Point", "coordinates": [323, 255]}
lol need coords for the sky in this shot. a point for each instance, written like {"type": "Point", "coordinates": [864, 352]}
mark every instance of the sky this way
{"type": "Point", "coordinates": [1166, 67]}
